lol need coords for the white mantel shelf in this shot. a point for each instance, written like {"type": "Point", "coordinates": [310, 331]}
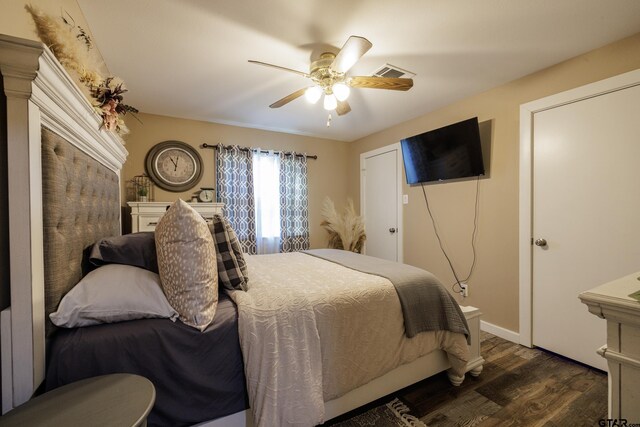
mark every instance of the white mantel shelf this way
{"type": "Point", "coordinates": [611, 301]}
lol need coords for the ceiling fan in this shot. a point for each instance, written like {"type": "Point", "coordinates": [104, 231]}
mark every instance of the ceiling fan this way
{"type": "Point", "coordinates": [329, 77]}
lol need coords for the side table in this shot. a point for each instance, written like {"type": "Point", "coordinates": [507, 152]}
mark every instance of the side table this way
{"type": "Point", "coordinates": [612, 302]}
{"type": "Point", "coordinates": [107, 401]}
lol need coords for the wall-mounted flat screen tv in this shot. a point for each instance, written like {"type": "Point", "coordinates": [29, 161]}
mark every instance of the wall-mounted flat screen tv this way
{"type": "Point", "coordinates": [451, 152]}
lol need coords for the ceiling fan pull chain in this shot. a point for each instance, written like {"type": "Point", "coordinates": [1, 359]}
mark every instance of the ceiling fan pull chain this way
{"type": "Point", "coordinates": [329, 121]}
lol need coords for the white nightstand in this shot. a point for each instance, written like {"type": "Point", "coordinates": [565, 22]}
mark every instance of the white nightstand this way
{"type": "Point", "coordinates": [145, 215]}
{"type": "Point", "coordinates": [611, 301]}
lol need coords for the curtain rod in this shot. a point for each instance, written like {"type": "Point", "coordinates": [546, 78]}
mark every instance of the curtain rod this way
{"type": "Point", "coordinates": [286, 153]}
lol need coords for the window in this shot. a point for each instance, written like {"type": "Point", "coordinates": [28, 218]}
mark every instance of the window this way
{"type": "Point", "coordinates": [265, 197]}
{"type": "Point", "coordinates": [266, 190]}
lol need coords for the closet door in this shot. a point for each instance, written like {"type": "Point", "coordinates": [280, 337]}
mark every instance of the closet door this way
{"type": "Point", "coordinates": [586, 215]}
{"type": "Point", "coordinates": [380, 191]}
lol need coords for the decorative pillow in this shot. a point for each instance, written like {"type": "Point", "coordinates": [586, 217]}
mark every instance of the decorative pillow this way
{"type": "Point", "coordinates": [187, 264]}
{"type": "Point", "coordinates": [113, 293]}
{"type": "Point", "coordinates": [138, 249]}
{"type": "Point", "coordinates": [232, 268]}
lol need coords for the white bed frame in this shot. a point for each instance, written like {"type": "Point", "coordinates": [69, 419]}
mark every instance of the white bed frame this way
{"type": "Point", "coordinates": [39, 92]}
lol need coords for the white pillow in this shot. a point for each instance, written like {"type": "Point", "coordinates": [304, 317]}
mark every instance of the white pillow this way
{"type": "Point", "coordinates": [187, 264]}
{"type": "Point", "coordinates": [113, 293]}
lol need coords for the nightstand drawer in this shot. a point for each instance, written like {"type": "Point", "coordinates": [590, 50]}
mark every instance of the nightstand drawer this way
{"type": "Point", "coordinates": [147, 223]}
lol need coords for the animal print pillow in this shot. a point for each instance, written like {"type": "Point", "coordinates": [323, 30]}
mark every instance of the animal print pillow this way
{"type": "Point", "coordinates": [187, 264]}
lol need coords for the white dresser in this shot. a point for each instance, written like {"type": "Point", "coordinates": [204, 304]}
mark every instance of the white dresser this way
{"type": "Point", "coordinates": [145, 215]}
{"type": "Point", "coordinates": [611, 301]}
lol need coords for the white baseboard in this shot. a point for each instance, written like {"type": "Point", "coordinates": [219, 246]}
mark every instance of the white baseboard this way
{"type": "Point", "coordinates": [500, 332]}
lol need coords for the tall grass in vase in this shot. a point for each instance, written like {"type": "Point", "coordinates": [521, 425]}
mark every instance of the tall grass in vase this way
{"type": "Point", "coordinates": [346, 231]}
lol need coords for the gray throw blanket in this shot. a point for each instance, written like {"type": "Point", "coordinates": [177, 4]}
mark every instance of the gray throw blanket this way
{"type": "Point", "coordinates": [426, 304]}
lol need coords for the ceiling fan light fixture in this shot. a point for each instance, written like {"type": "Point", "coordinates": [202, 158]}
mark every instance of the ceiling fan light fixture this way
{"type": "Point", "coordinates": [341, 91]}
{"type": "Point", "coordinates": [330, 102]}
{"type": "Point", "coordinates": [329, 76]}
{"type": "Point", "coordinates": [313, 94]}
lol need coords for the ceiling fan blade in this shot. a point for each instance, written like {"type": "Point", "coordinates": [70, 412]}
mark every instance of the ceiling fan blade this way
{"type": "Point", "coordinates": [350, 53]}
{"type": "Point", "coordinates": [343, 108]}
{"type": "Point", "coordinates": [287, 99]}
{"type": "Point", "coordinates": [279, 67]}
{"type": "Point", "coordinates": [381, 83]}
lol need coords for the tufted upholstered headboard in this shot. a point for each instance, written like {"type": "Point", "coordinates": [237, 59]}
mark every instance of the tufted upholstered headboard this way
{"type": "Point", "coordinates": [81, 204]}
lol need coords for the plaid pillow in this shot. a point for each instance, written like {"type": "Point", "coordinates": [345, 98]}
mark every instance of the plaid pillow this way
{"type": "Point", "coordinates": [232, 268]}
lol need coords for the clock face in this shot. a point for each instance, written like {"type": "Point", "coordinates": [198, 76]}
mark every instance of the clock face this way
{"type": "Point", "coordinates": [174, 165]}
{"type": "Point", "coordinates": [206, 195]}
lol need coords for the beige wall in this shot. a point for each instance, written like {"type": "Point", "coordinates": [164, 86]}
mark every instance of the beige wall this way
{"type": "Point", "coordinates": [327, 174]}
{"type": "Point", "coordinates": [494, 284]}
{"type": "Point", "coordinates": [15, 21]}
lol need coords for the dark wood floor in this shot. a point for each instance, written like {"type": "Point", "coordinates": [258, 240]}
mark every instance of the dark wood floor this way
{"type": "Point", "coordinates": [518, 387]}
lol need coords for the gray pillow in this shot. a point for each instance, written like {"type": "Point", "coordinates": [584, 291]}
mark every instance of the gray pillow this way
{"type": "Point", "coordinates": [187, 263]}
{"type": "Point", "coordinates": [137, 249]}
{"type": "Point", "coordinates": [113, 293]}
{"type": "Point", "coordinates": [232, 268]}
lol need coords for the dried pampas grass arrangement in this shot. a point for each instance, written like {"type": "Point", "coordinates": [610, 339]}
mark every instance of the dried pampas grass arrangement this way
{"type": "Point", "coordinates": [62, 39]}
{"type": "Point", "coordinates": [71, 45]}
{"type": "Point", "coordinates": [346, 231]}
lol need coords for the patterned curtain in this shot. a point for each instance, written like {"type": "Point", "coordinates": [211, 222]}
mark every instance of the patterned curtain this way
{"type": "Point", "coordinates": [294, 211]}
{"type": "Point", "coordinates": [234, 179]}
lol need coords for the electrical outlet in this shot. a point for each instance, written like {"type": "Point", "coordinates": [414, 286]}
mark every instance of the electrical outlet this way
{"type": "Point", "coordinates": [464, 289]}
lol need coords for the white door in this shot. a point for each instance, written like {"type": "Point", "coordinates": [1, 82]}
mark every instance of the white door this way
{"type": "Point", "coordinates": [586, 202]}
{"type": "Point", "coordinates": [380, 201]}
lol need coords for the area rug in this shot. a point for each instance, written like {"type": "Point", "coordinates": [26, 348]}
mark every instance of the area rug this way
{"type": "Point", "coordinates": [392, 414]}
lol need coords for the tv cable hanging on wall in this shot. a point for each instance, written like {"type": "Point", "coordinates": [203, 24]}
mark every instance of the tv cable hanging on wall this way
{"type": "Point", "coordinates": [473, 238]}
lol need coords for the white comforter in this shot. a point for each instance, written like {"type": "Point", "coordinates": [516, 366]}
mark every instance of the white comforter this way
{"type": "Point", "coordinates": [311, 331]}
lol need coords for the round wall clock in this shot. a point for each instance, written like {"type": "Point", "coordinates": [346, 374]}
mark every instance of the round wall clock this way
{"type": "Point", "coordinates": [174, 166]}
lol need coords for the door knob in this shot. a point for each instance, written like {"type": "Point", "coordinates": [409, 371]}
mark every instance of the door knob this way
{"type": "Point", "coordinates": [392, 230]}
{"type": "Point", "coordinates": [540, 242]}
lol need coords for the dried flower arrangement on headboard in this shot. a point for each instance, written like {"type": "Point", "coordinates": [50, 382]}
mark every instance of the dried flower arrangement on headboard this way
{"type": "Point", "coordinates": [71, 45]}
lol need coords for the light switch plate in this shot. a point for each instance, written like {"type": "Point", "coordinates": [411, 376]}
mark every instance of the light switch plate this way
{"type": "Point", "coordinates": [405, 199]}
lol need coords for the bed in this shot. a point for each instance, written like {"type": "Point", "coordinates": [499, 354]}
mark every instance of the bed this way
{"type": "Point", "coordinates": [49, 116]}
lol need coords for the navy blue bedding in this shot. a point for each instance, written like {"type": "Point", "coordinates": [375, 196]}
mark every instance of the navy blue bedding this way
{"type": "Point", "coordinates": [198, 376]}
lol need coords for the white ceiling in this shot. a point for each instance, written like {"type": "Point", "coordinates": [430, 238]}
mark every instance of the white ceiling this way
{"type": "Point", "coordinates": [188, 58]}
